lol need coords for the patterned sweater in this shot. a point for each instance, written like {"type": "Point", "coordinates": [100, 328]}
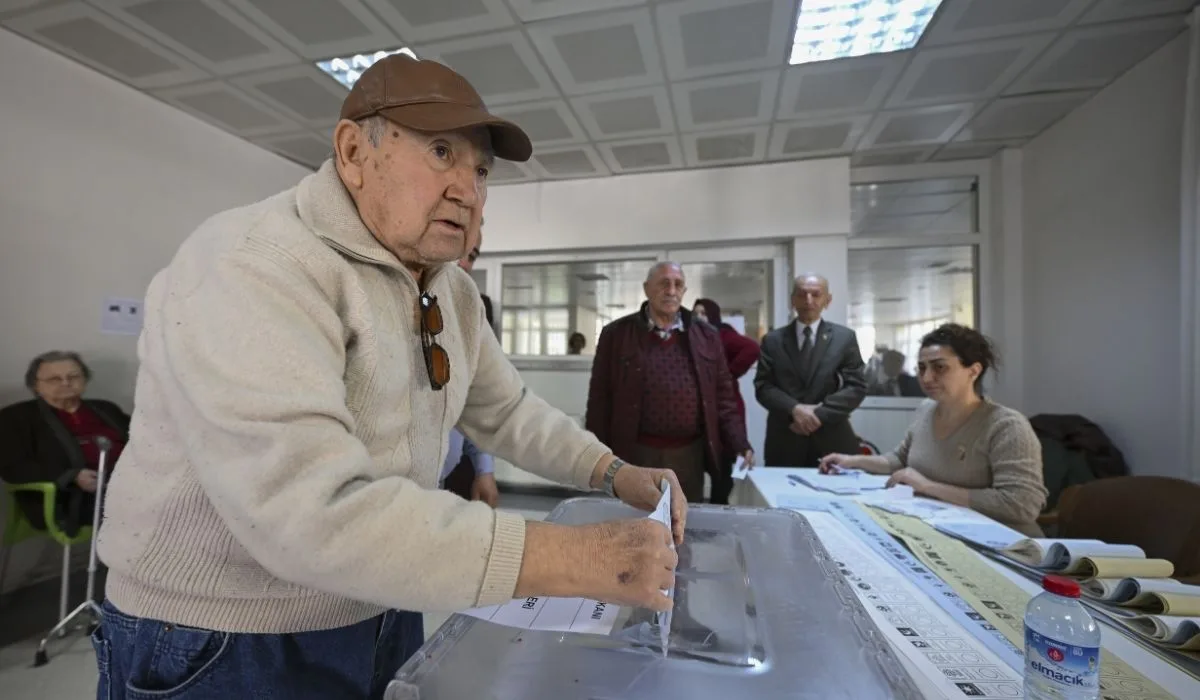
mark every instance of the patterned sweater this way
{"type": "Point", "coordinates": [995, 455]}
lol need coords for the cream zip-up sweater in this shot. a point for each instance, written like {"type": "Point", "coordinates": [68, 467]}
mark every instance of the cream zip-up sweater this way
{"type": "Point", "coordinates": [281, 474]}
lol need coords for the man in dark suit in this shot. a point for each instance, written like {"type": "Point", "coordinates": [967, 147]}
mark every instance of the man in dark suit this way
{"type": "Point", "coordinates": [892, 379]}
{"type": "Point", "coordinates": [810, 378]}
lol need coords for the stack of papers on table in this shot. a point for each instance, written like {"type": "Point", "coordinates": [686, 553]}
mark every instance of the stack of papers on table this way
{"type": "Point", "coordinates": [1155, 595]}
{"type": "Point", "coordinates": [1087, 558]}
{"type": "Point", "coordinates": [1170, 631]}
{"type": "Point", "coordinates": [849, 482]}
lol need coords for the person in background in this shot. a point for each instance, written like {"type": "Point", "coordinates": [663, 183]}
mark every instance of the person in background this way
{"type": "Point", "coordinates": [810, 378]}
{"type": "Point", "coordinates": [962, 447]}
{"type": "Point", "coordinates": [576, 343]}
{"type": "Point", "coordinates": [274, 528]}
{"type": "Point", "coordinates": [892, 380]}
{"type": "Point", "coordinates": [52, 438]}
{"type": "Point", "coordinates": [740, 354]}
{"type": "Point", "coordinates": [661, 393]}
{"type": "Point", "coordinates": [874, 365]}
{"type": "Point", "coordinates": [469, 471]}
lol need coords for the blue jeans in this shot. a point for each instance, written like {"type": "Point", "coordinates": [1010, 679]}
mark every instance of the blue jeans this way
{"type": "Point", "coordinates": [140, 658]}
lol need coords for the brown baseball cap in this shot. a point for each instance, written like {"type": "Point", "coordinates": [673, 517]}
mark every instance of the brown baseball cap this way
{"type": "Point", "coordinates": [428, 96]}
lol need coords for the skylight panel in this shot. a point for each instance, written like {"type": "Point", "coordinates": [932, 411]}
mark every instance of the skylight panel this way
{"type": "Point", "coordinates": [346, 69]}
{"type": "Point", "coordinates": [830, 29]}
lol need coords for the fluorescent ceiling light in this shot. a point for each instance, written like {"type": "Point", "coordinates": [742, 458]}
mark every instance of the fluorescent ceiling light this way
{"type": "Point", "coordinates": [832, 29]}
{"type": "Point", "coordinates": [347, 69]}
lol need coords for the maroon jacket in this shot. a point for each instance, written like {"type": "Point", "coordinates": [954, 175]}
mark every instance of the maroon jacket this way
{"type": "Point", "coordinates": [615, 394]}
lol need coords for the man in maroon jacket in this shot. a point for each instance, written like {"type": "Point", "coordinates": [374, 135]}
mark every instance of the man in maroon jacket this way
{"type": "Point", "coordinates": [661, 394]}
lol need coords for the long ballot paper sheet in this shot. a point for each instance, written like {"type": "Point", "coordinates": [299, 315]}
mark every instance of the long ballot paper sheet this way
{"type": "Point", "coordinates": [1001, 601]}
{"type": "Point", "coordinates": [1163, 596]}
{"type": "Point", "coordinates": [956, 663]}
{"type": "Point", "coordinates": [579, 615]}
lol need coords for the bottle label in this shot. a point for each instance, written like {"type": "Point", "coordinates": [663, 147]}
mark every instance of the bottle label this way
{"type": "Point", "coordinates": [1064, 665]}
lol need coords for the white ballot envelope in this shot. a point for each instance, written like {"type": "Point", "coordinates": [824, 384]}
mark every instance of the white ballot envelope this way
{"type": "Point", "coordinates": [740, 470]}
{"type": "Point", "coordinates": [567, 614]}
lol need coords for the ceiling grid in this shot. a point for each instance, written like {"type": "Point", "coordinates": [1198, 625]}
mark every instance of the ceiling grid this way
{"type": "Point", "coordinates": [608, 87]}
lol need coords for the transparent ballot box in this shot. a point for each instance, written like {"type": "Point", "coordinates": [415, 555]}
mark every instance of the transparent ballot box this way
{"type": "Point", "coordinates": [761, 612]}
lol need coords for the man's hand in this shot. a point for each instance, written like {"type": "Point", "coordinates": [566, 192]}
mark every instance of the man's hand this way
{"type": "Point", "coordinates": [918, 481]}
{"type": "Point", "coordinates": [804, 419]}
{"type": "Point", "coordinates": [627, 562]}
{"type": "Point", "coordinates": [640, 488]}
{"type": "Point", "coordinates": [748, 456]}
{"type": "Point", "coordinates": [484, 489]}
{"type": "Point", "coordinates": [86, 480]}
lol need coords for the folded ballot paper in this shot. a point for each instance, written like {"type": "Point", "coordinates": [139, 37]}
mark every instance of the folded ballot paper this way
{"type": "Point", "coordinates": [578, 615]}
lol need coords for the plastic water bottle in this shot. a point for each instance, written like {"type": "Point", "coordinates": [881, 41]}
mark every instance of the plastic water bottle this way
{"type": "Point", "coordinates": [1062, 645]}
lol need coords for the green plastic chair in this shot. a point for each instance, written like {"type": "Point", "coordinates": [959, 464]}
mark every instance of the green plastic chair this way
{"type": "Point", "coordinates": [17, 529]}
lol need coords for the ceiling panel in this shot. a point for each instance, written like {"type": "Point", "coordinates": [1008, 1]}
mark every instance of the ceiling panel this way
{"type": "Point", "coordinates": [1095, 56]}
{"type": "Point", "coordinates": [533, 10]}
{"type": "Point", "coordinates": [548, 123]}
{"type": "Point", "coordinates": [925, 125]}
{"type": "Point", "coordinates": [642, 155]}
{"type": "Point", "coordinates": [101, 42]}
{"type": "Point", "coordinates": [208, 33]}
{"type": "Point", "coordinates": [422, 20]}
{"type": "Point", "coordinates": [966, 72]}
{"type": "Point", "coordinates": [598, 53]}
{"type": "Point", "coordinates": [891, 156]}
{"type": "Point", "coordinates": [628, 114]}
{"type": "Point", "coordinates": [320, 28]}
{"type": "Point", "coordinates": [1021, 117]}
{"type": "Point", "coordinates": [301, 92]}
{"type": "Point", "coordinates": [507, 172]}
{"type": "Point", "coordinates": [838, 88]}
{"type": "Point", "coordinates": [728, 147]}
{"type": "Point", "coordinates": [726, 101]}
{"type": "Point", "coordinates": [1117, 10]}
{"type": "Point", "coordinates": [221, 105]}
{"type": "Point", "coordinates": [960, 21]}
{"type": "Point", "coordinates": [568, 162]}
{"type": "Point", "coordinates": [501, 66]}
{"type": "Point", "coordinates": [814, 139]}
{"type": "Point", "coordinates": [710, 37]}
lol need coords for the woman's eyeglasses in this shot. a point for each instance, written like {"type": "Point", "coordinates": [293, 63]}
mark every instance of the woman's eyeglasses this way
{"type": "Point", "coordinates": [437, 362]}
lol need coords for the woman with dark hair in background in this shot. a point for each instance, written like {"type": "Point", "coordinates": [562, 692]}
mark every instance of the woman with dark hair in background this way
{"type": "Point", "coordinates": [963, 448]}
{"type": "Point", "coordinates": [53, 438]}
{"type": "Point", "coordinates": [740, 354]}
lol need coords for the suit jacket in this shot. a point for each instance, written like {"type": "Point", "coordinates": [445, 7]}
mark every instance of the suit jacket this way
{"type": "Point", "coordinates": [615, 392]}
{"type": "Point", "coordinates": [835, 382]}
{"type": "Point", "coordinates": [36, 446]}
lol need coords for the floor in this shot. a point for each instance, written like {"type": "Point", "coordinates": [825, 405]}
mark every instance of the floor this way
{"type": "Point", "coordinates": [71, 673]}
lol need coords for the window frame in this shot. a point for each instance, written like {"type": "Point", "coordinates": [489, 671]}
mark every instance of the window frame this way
{"type": "Point", "coordinates": [988, 304]}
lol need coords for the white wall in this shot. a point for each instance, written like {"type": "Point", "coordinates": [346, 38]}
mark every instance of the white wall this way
{"type": "Point", "coordinates": [754, 202]}
{"type": "Point", "coordinates": [1101, 263]}
{"type": "Point", "coordinates": [98, 187]}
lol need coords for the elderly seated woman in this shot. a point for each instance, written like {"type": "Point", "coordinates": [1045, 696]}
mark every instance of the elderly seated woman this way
{"type": "Point", "coordinates": [53, 438]}
{"type": "Point", "coordinates": [963, 448]}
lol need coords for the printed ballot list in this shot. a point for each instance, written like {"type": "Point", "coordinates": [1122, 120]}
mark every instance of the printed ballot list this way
{"type": "Point", "coordinates": [564, 614]}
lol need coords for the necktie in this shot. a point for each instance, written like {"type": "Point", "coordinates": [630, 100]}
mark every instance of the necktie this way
{"type": "Point", "coordinates": [806, 352]}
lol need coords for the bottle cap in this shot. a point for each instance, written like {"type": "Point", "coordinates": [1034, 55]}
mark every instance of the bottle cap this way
{"type": "Point", "coordinates": [1061, 585]}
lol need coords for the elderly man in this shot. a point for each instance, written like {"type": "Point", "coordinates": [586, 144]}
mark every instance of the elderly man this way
{"type": "Point", "coordinates": [661, 393]}
{"type": "Point", "coordinates": [302, 362]}
{"type": "Point", "coordinates": [810, 378]}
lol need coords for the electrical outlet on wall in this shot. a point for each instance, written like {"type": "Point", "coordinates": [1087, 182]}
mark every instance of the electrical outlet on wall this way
{"type": "Point", "coordinates": [121, 316]}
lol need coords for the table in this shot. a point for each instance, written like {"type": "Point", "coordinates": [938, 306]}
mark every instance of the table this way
{"type": "Point", "coordinates": [763, 486]}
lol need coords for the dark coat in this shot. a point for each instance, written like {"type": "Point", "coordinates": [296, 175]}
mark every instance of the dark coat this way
{"type": "Point", "coordinates": [36, 446]}
{"type": "Point", "coordinates": [836, 383]}
{"type": "Point", "coordinates": [1079, 434]}
{"type": "Point", "coordinates": [615, 393]}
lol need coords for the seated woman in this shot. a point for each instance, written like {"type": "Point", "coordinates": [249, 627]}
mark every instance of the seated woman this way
{"type": "Point", "coordinates": [963, 448]}
{"type": "Point", "coordinates": [53, 438]}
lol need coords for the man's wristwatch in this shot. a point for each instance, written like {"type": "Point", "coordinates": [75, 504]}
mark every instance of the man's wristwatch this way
{"type": "Point", "coordinates": [606, 485]}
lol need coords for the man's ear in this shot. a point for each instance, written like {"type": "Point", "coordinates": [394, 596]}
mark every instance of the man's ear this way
{"type": "Point", "coordinates": [349, 153]}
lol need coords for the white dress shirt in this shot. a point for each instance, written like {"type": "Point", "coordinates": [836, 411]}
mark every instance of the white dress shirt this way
{"type": "Point", "coordinates": [800, 326]}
